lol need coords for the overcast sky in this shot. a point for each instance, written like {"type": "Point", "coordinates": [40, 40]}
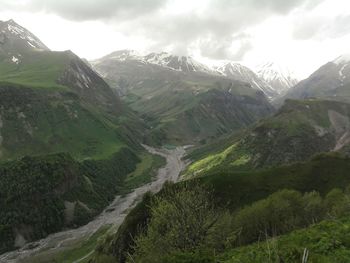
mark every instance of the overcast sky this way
{"type": "Point", "coordinates": [302, 34]}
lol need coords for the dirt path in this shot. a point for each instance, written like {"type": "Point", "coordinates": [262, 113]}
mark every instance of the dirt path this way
{"type": "Point", "coordinates": [114, 214]}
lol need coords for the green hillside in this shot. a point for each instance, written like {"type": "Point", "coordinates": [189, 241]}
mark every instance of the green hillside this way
{"type": "Point", "coordinates": [299, 130]}
{"type": "Point", "coordinates": [68, 145]}
{"type": "Point", "coordinates": [325, 242]}
{"type": "Point", "coordinates": [229, 191]}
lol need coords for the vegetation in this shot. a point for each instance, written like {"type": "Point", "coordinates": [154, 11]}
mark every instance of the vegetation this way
{"type": "Point", "coordinates": [145, 170]}
{"type": "Point", "coordinates": [33, 192]}
{"type": "Point", "coordinates": [230, 193]}
{"type": "Point", "coordinates": [193, 108]}
{"type": "Point", "coordinates": [324, 242]}
{"type": "Point", "coordinates": [298, 131]}
{"type": "Point", "coordinates": [78, 251]}
{"type": "Point", "coordinates": [185, 226]}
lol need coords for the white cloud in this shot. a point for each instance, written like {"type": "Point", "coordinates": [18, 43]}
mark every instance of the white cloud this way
{"type": "Point", "coordinates": [303, 33]}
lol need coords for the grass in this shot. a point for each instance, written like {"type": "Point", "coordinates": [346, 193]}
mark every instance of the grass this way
{"type": "Point", "coordinates": [326, 242]}
{"type": "Point", "coordinates": [144, 172]}
{"type": "Point", "coordinates": [298, 131]}
{"type": "Point", "coordinates": [322, 173]}
{"type": "Point", "coordinates": [37, 69]}
{"type": "Point", "coordinates": [204, 165]}
{"type": "Point", "coordinates": [75, 252]}
{"type": "Point", "coordinates": [37, 123]}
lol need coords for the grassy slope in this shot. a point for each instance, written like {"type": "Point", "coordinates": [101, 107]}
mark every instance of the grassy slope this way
{"type": "Point", "coordinates": [38, 69]}
{"type": "Point", "coordinates": [34, 122]}
{"type": "Point", "coordinates": [322, 173]}
{"type": "Point", "coordinates": [289, 136]}
{"type": "Point", "coordinates": [40, 116]}
{"type": "Point", "coordinates": [326, 242]}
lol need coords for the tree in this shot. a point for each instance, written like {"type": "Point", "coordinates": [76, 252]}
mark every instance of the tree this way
{"type": "Point", "coordinates": [180, 222]}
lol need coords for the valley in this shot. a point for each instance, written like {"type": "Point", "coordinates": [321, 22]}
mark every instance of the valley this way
{"type": "Point", "coordinates": [112, 216]}
{"type": "Point", "coordinates": [185, 150]}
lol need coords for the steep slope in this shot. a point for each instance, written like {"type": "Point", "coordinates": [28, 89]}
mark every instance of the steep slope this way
{"type": "Point", "coordinates": [15, 40]}
{"type": "Point", "coordinates": [67, 142]}
{"type": "Point", "coordinates": [299, 130]}
{"type": "Point", "coordinates": [183, 103]}
{"type": "Point", "coordinates": [280, 78]}
{"type": "Point", "coordinates": [331, 81]}
{"type": "Point", "coordinates": [53, 101]}
{"type": "Point", "coordinates": [240, 72]}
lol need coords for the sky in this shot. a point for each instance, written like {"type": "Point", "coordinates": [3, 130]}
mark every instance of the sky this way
{"type": "Point", "coordinates": [299, 34]}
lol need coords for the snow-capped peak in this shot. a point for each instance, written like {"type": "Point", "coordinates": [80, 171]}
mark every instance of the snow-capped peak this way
{"type": "Point", "coordinates": [240, 72]}
{"type": "Point", "coordinates": [14, 31]}
{"type": "Point", "coordinates": [232, 68]}
{"type": "Point", "coordinates": [163, 59]}
{"type": "Point", "coordinates": [279, 77]}
{"type": "Point", "coordinates": [342, 59]}
{"type": "Point", "coordinates": [126, 54]}
{"type": "Point", "coordinates": [179, 63]}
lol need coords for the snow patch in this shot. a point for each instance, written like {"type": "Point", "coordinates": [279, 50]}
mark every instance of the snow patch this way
{"type": "Point", "coordinates": [341, 75]}
{"type": "Point", "coordinates": [342, 59]}
{"type": "Point", "coordinates": [15, 60]}
{"type": "Point", "coordinates": [30, 44]}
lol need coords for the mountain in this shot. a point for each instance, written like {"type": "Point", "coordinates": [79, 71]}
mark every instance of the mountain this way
{"type": "Point", "coordinates": [299, 130]}
{"type": "Point", "coordinates": [52, 101]}
{"type": "Point", "coordinates": [179, 98]}
{"type": "Point", "coordinates": [239, 72]}
{"type": "Point", "coordinates": [179, 63]}
{"type": "Point", "coordinates": [279, 78]}
{"type": "Point", "coordinates": [331, 81]}
{"type": "Point", "coordinates": [67, 141]}
{"type": "Point", "coordinates": [15, 40]}
{"type": "Point", "coordinates": [163, 59]}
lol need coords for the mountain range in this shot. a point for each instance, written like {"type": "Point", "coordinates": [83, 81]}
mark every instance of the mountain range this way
{"type": "Point", "coordinates": [72, 136]}
{"type": "Point", "coordinates": [171, 92]}
{"type": "Point", "coordinates": [270, 78]}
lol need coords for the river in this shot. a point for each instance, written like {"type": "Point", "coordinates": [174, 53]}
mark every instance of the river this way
{"type": "Point", "coordinates": [114, 214]}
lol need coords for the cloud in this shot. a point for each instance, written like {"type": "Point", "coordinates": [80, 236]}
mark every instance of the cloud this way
{"type": "Point", "coordinates": [321, 28]}
{"type": "Point", "coordinates": [211, 26]}
{"type": "Point", "coordinates": [83, 10]}
{"type": "Point", "coordinates": [230, 48]}
{"type": "Point", "coordinates": [214, 27]}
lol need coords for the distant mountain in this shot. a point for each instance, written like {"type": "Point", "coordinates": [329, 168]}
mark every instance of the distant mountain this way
{"type": "Point", "coordinates": [299, 130]}
{"type": "Point", "coordinates": [163, 59]}
{"type": "Point", "coordinates": [331, 81]}
{"type": "Point", "coordinates": [237, 71]}
{"type": "Point", "coordinates": [180, 63]}
{"type": "Point", "coordinates": [230, 70]}
{"type": "Point", "coordinates": [280, 78]}
{"type": "Point", "coordinates": [183, 100]}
